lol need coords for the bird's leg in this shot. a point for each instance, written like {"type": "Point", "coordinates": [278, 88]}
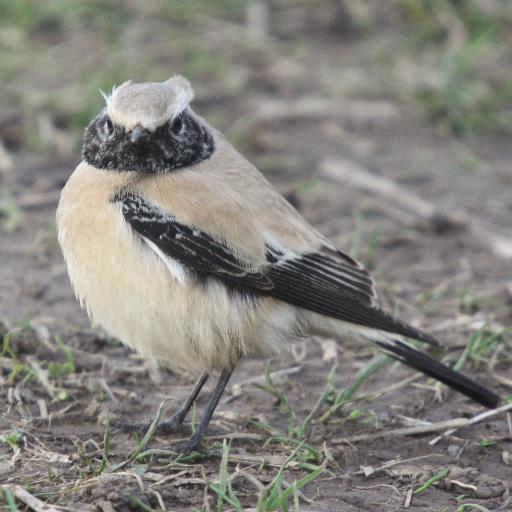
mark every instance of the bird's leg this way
{"type": "Point", "coordinates": [173, 423]}
{"type": "Point", "coordinates": [195, 439]}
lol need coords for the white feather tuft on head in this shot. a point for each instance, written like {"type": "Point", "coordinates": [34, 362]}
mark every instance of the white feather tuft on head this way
{"type": "Point", "coordinates": [149, 105]}
{"type": "Point", "coordinates": [184, 94]}
{"type": "Point", "coordinates": [115, 88]}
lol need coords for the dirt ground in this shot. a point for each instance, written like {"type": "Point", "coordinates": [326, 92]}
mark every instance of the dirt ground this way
{"type": "Point", "coordinates": [439, 247]}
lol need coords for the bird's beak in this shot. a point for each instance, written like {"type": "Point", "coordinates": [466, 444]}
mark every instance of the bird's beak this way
{"type": "Point", "coordinates": [137, 134]}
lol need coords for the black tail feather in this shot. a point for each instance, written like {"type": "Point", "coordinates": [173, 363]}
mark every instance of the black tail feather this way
{"type": "Point", "coordinates": [433, 368]}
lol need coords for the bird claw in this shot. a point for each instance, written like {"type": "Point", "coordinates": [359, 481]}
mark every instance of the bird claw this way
{"type": "Point", "coordinates": [182, 450]}
{"type": "Point", "coordinates": [192, 444]}
{"type": "Point", "coordinates": [186, 448]}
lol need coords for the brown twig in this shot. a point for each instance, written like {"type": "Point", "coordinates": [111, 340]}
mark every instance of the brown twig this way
{"type": "Point", "coordinates": [39, 200]}
{"type": "Point", "coordinates": [257, 15]}
{"type": "Point", "coordinates": [370, 470]}
{"type": "Point", "coordinates": [350, 173]}
{"type": "Point", "coordinates": [317, 108]}
{"type": "Point", "coordinates": [28, 499]}
{"type": "Point", "coordinates": [449, 426]}
{"type": "Point", "coordinates": [277, 375]}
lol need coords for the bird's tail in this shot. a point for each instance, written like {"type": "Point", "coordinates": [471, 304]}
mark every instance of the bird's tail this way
{"type": "Point", "coordinates": [433, 368]}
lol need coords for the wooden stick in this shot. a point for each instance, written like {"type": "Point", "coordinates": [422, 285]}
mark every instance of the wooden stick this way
{"type": "Point", "coordinates": [28, 499]}
{"type": "Point", "coordinates": [236, 389]}
{"type": "Point", "coordinates": [449, 425]}
{"type": "Point", "coordinates": [258, 19]}
{"type": "Point", "coordinates": [349, 173]}
{"type": "Point", "coordinates": [318, 108]}
{"type": "Point", "coordinates": [39, 200]}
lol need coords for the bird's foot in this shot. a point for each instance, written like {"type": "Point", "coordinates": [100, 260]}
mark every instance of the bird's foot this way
{"type": "Point", "coordinates": [185, 448]}
{"type": "Point", "coordinates": [192, 444]}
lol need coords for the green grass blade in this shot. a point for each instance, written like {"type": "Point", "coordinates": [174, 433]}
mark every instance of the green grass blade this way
{"type": "Point", "coordinates": [431, 481]}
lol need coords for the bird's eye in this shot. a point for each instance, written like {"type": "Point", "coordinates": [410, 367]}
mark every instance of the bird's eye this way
{"type": "Point", "coordinates": [177, 124]}
{"type": "Point", "coordinates": [109, 127]}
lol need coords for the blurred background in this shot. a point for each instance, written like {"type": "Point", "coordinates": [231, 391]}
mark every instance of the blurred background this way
{"type": "Point", "coordinates": [388, 124]}
{"type": "Point", "coordinates": [448, 61]}
{"type": "Point", "coordinates": [418, 92]}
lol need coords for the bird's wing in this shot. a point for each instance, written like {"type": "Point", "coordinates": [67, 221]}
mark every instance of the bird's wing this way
{"type": "Point", "coordinates": [325, 281]}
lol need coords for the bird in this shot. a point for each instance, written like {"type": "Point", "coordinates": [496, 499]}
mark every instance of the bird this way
{"type": "Point", "coordinates": [179, 247]}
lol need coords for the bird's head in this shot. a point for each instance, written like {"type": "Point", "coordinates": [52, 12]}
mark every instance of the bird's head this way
{"type": "Point", "coordinates": [147, 128]}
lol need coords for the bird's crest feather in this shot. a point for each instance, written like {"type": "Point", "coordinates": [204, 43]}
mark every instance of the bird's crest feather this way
{"type": "Point", "coordinates": [149, 105]}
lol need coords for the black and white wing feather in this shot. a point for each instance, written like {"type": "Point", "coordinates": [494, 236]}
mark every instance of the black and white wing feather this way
{"type": "Point", "coordinates": [326, 282]}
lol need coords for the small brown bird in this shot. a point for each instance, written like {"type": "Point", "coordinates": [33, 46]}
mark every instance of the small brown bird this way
{"type": "Point", "coordinates": [179, 247]}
